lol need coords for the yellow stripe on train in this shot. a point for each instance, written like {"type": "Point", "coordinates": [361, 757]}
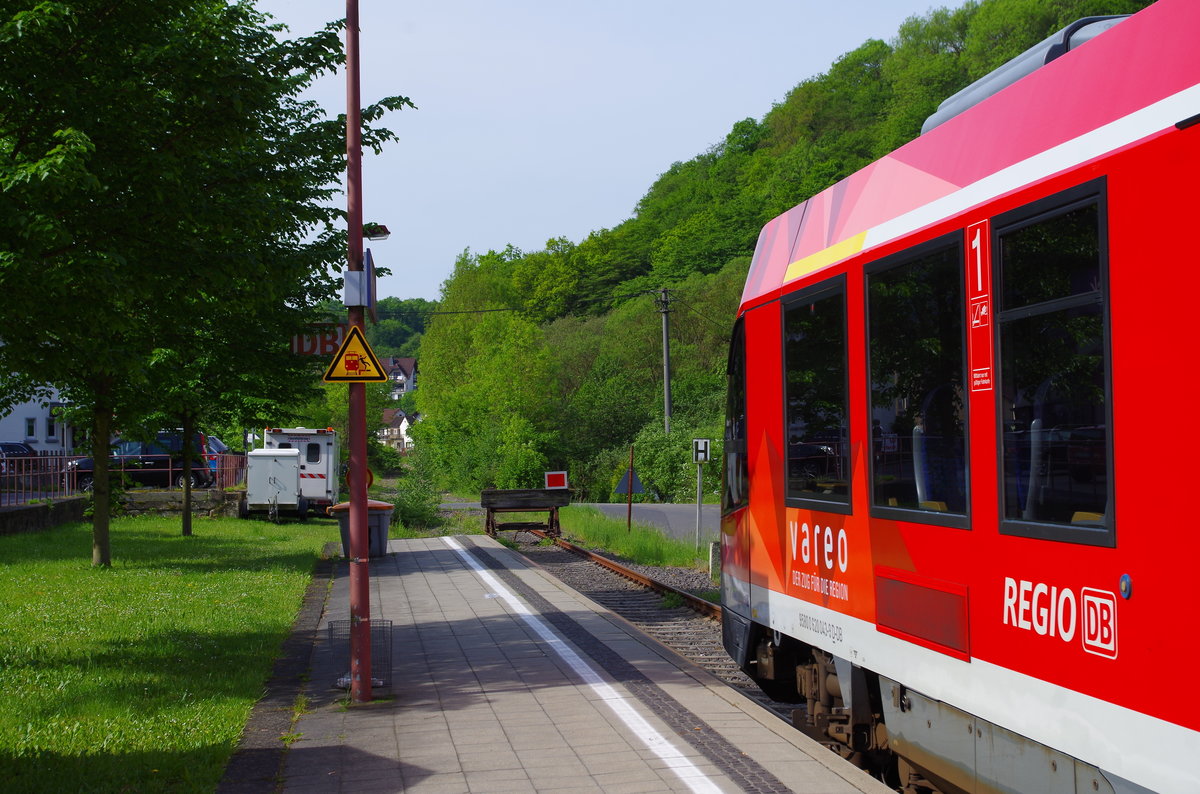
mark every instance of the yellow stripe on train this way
{"type": "Point", "coordinates": [828, 256]}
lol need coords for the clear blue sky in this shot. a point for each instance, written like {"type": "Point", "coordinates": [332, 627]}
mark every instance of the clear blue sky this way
{"type": "Point", "coordinates": [548, 118]}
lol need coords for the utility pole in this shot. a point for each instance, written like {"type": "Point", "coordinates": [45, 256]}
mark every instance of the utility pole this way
{"type": "Point", "coordinates": [360, 592]}
{"type": "Point", "coordinates": [663, 302]}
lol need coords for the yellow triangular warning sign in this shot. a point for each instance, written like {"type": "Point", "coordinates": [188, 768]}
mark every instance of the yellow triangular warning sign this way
{"type": "Point", "coordinates": [355, 362]}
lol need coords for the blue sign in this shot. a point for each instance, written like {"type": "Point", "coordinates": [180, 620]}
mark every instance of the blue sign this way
{"type": "Point", "coordinates": [623, 485]}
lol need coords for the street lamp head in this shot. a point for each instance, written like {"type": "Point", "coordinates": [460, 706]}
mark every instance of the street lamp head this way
{"type": "Point", "coordinates": [375, 231]}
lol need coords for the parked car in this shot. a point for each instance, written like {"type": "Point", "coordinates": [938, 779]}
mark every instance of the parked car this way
{"type": "Point", "coordinates": [215, 447]}
{"type": "Point", "coordinates": [809, 462]}
{"type": "Point", "coordinates": [14, 449]}
{"type": "Point", "coordinates": [155, 464]}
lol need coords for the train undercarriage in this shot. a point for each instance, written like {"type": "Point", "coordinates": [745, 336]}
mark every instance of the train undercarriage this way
{"type": "Point", "coordinates": [913, 743]}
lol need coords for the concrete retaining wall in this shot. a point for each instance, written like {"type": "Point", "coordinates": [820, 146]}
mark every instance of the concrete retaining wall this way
{"type": "Point", "coordinates": [204, 502]}
{"type": "Point", "coordinates": [42, 515]}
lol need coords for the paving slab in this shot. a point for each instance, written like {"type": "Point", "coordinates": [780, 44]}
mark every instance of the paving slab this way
{"type": "Point", "coordinates": [503, 679]}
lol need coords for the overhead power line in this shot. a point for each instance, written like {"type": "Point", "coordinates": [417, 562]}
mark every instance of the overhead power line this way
{"type": "Point", "coordinates": [429, 313]}
{"type": "Point", "coordinates": [702, 315]}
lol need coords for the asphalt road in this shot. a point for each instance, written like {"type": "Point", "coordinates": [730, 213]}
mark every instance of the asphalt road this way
{"type": "Point", "coordinates": [676, 521]}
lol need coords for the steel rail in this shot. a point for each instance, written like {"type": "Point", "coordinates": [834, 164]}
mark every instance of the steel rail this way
{"type": "Point", "coordinates": [696, 603]}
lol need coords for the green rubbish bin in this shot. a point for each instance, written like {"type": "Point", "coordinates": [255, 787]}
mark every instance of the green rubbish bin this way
{"type": "Point", "coordinates": [379, 516]}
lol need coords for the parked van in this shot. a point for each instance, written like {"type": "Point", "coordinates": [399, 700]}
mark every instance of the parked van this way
{"type": "Point", "coordinates": [319, 460]}
{"type": "Point", "coordinates": [273, 485]}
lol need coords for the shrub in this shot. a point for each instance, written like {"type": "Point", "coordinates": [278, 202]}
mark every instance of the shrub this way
{"type": "Point", "coordinates": [417, 498]}
{"type": "Point", "coordinates": [383, 459]}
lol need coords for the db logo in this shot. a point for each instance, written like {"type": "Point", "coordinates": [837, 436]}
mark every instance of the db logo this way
{"type": "Point", "coordinates": [1099, 622]}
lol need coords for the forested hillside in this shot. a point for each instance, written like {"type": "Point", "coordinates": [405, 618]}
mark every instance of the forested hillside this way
{"type": "Point", "coordinates": [400, 327]}
{"type": "Point", "coordinates": [555, 361]}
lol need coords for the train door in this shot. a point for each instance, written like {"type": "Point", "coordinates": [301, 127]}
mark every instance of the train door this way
{"type": "Point", "coordinates": [752, 503]}
{"type": "Point", "coordinates": [735, 494]}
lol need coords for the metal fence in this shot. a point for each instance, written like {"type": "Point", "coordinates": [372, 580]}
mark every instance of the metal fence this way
{"type": "Point", "coordinates": [29, 479]}
{"type": "Point", "coordinates": [228, 470]}
{"type": "Point", "coordinates": [50, 476]}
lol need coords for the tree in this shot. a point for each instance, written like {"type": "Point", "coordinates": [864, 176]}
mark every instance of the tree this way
{"type": "Point", "coordinates": [926, 67]}
{"type": "Point", "coordinates": [207, 376]}
{"type": "Point", "coordinates": [401, 324]}
{"type": "Point", "coordinates": [548, 279]}
{"type": "Point", "coordinates": [485, 378]}
{"type": "Point", "coordinates": [160, 178]}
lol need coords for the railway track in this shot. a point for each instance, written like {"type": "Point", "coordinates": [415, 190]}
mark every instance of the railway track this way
{"type": "Point", "coordinates": [670, 612]}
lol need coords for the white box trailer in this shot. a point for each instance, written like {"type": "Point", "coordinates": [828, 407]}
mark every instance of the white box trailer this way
{"type": "Point", "coordinates": [319, 460]}
{"type": "Point", "coordinates": [273, 484]}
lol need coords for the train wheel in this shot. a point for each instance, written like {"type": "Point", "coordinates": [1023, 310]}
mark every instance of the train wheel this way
{"type": "Point", "coordinates": [773, 668]}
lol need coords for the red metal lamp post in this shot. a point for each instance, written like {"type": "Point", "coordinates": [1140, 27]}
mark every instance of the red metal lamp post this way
{"type": "Point", "coordinates": [360, 594]}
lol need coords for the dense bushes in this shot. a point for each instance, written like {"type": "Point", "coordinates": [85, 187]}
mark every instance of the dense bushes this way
{"type": "Point", "coordinates": [417, 498]}
{"type": "Point", "coordinates": [505, 399]}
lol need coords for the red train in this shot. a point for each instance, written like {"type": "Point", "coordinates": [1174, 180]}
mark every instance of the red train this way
{"type": "Point", "coordinates": [957, 512]}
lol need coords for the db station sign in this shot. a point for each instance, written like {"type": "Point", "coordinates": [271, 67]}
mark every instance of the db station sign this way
{"type": "Point", "coordinates": [323, 339]}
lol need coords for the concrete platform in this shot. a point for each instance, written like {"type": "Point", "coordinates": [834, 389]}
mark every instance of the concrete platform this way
{"type": "Point", "coordinates": [504, 680]}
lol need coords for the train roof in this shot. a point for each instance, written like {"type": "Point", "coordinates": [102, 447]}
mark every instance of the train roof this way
{"type": "Point", "coordinates": [1135, 80]}
{"type": "Point", "coordinates": [1028, 62]}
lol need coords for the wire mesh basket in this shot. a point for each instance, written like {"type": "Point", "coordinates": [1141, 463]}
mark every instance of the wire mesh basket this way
{"type": "Point", "coordinates": [381, 651]}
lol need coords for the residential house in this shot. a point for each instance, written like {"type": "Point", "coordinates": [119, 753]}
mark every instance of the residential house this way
{"type": "Point", "coordinates": [395, 431]}
{"type": "Point", "coordinates": [402, 374]}
{"type": "Point", "coordinates": [406, 425]}
{"type": "Point", "coordinates": [36, 422]}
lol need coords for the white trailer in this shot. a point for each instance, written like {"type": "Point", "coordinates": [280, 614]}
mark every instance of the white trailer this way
{"type": "Point", "coordinates": [318, 460]}
{"type": "Point", "coordinates": [273, 484]}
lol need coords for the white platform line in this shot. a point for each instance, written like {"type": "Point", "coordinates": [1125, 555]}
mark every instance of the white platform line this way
{"type": "Point", "coordinates": [687, 771]}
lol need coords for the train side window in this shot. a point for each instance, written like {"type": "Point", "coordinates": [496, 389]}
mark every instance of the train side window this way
{"type": "Point", "coordinates": [916, 363]}
{"type": "Point", "coordinates": [815, 392]}
{"type": "Point", "coordinates": [735, 491]}
{"type": "Point", "coordinates": [1054, 385]}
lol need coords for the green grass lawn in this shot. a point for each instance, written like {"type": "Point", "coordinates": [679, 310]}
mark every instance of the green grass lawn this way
{"type": "Point", "coordinates": [641, 543]}
{"type": "Point", "coordinates": [584, 526]}
{"type": "Point", "coordinates": [140, 677]}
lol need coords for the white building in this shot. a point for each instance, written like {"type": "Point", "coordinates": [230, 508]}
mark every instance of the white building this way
{"type": "Point", "coordinates": [402, 374]}
{"type": "Point", "coordinates": [36, 423]}
{"type": "Point", "coordinates": [395, 431]}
